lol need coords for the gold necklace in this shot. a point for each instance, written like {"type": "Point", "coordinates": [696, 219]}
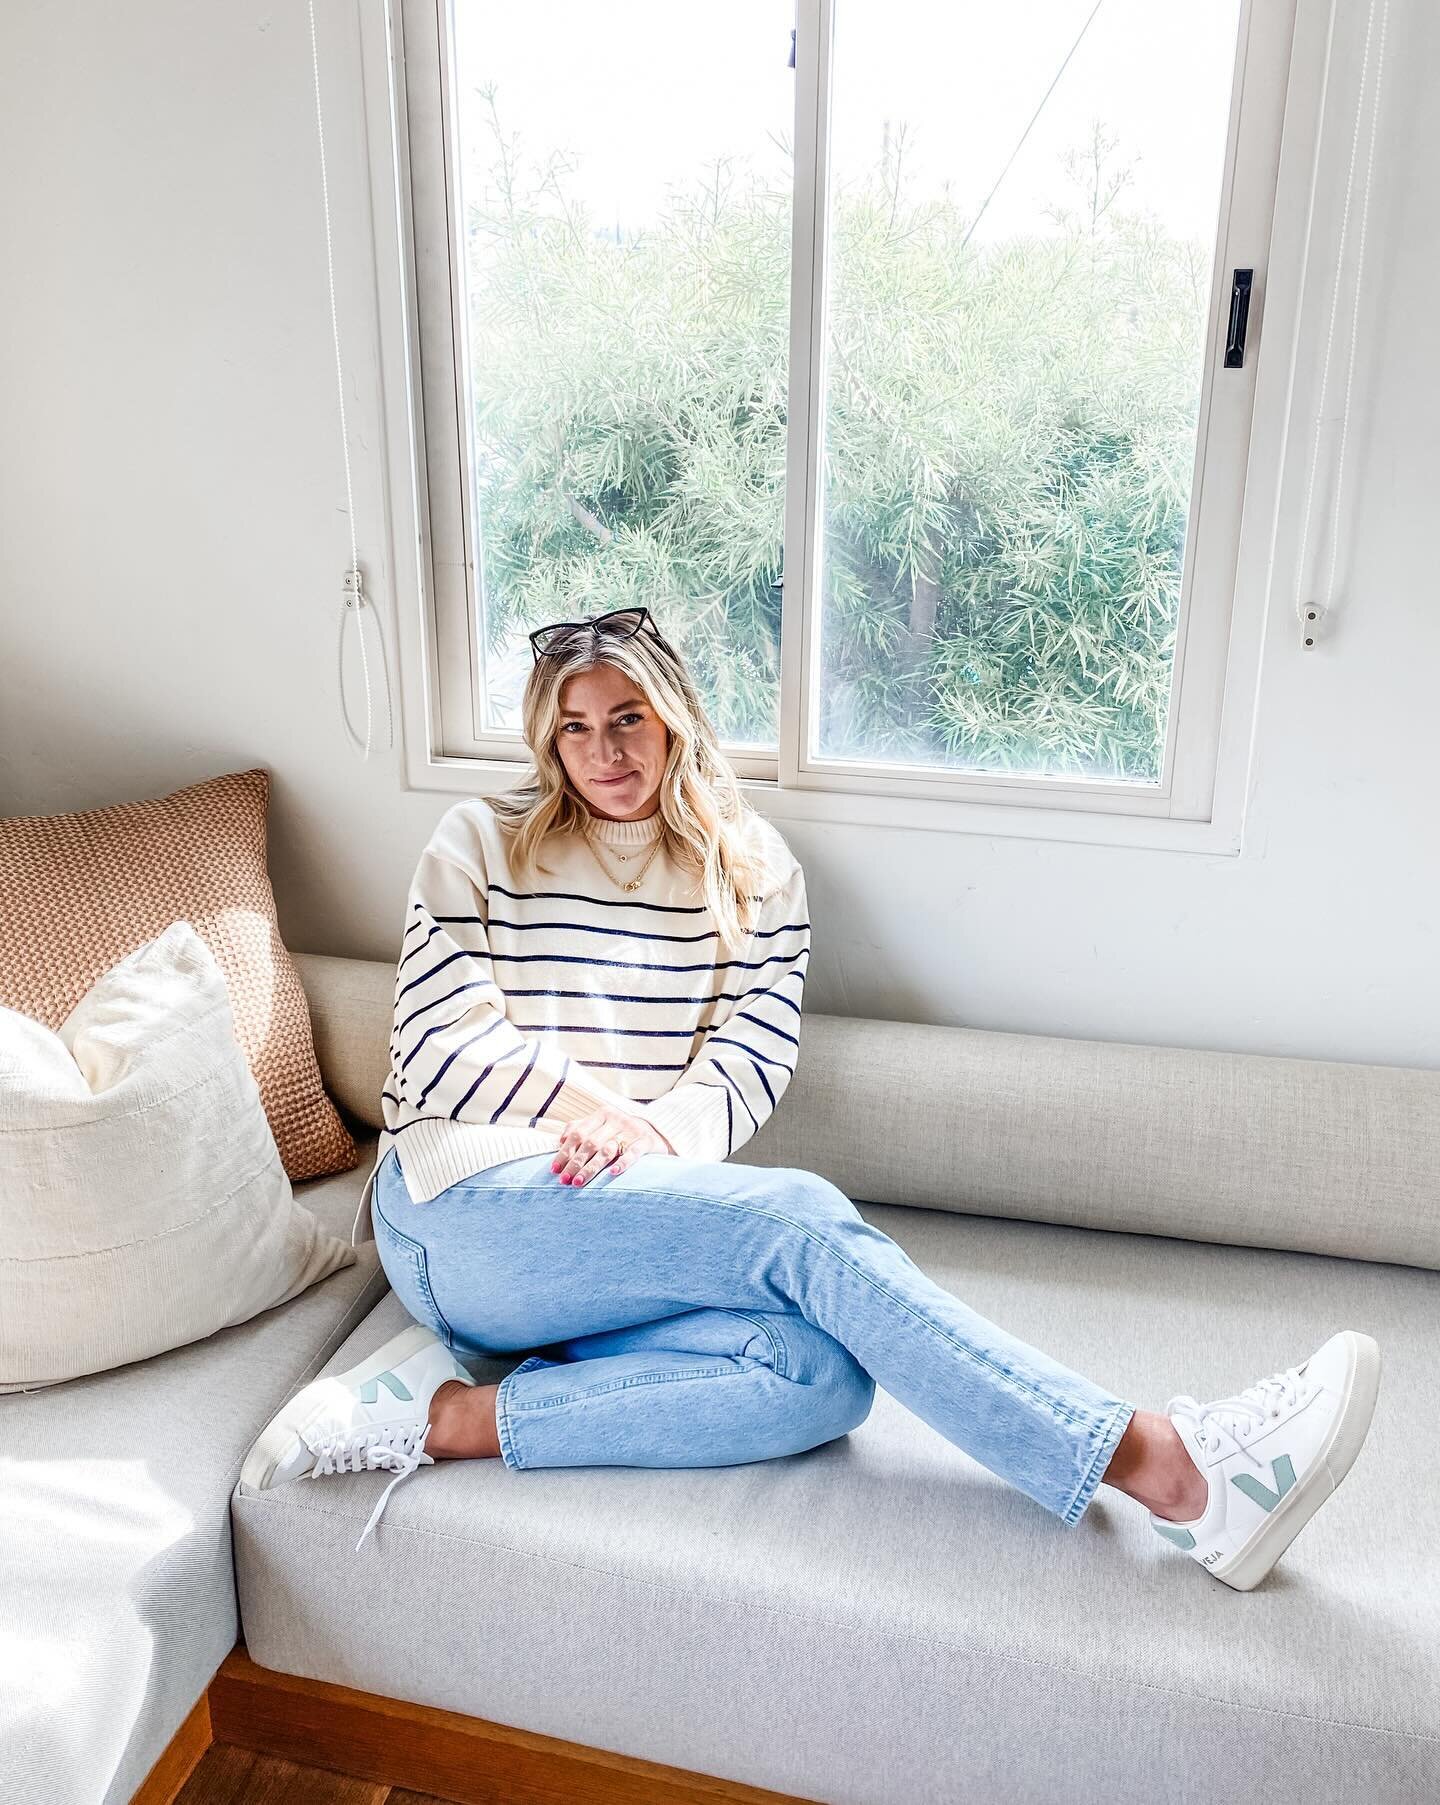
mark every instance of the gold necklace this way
{"type": "Point", "coordinates": [639, 877]}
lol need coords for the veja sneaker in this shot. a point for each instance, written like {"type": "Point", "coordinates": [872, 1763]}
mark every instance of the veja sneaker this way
{"type": "Point", "coordinates": [1273, 1455]}
{"type": "Point", "coordinates": [375, 1415]}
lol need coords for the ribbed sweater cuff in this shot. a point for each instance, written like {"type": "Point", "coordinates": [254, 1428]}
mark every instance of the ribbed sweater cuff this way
{"type": "Point", "coordinates": [692, 1118]}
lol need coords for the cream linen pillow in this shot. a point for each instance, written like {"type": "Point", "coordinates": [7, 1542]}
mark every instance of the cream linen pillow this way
{"type": "Point", "coordinates": [143, 1203]}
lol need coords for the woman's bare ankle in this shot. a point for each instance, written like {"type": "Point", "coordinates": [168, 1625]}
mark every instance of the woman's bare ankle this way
{"type": "Point", "coordinates": [462, 1422]}
{"type": "Point", "coordinates": [1153, 1466]}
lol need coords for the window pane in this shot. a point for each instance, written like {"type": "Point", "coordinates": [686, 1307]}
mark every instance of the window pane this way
{"type": "Point", "coordinates": [1013, 375]}
{"type": "Point", "coordinates": [626, 199]}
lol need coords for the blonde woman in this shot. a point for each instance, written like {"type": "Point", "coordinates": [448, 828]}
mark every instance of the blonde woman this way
{"type": "Point", "coordinates": [597, 1004]}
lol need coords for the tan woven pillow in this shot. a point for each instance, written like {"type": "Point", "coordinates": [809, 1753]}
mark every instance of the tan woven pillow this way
{"type": "Point", "coordinates": [79, 892]}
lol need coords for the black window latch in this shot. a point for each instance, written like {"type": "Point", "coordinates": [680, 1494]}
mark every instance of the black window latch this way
{"type": "Point", "coordinates": [1240, 282]}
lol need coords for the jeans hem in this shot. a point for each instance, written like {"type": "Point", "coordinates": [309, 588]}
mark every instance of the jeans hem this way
{"type": "Point", "coordinates": [1109, 1441]}
{"type": "Point", "coordinates": [508, 1451]}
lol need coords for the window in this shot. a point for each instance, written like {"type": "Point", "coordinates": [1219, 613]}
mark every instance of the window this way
{"type": "Point", "coordinates": [885, 360]}
{"type": "Point", "coordinates": [624, 262]}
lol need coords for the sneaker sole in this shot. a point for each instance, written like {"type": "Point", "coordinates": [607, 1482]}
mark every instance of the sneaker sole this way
{"type": "Point", "coordinates": [276, 1439]}
{"type": "Point", "coordinates": [1248, 1567]}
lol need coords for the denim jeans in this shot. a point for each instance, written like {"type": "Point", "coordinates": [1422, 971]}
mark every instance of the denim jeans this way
{"type": "Point", "coordinates": [694, 1314]}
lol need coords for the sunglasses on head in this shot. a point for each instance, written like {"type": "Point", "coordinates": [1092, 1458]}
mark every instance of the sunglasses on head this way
{"type": "Point", "coordinates": [620, 623]}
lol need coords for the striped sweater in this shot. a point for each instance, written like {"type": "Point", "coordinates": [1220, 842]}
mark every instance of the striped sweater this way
{"type": "Point", "coordinates": [524, 1003]}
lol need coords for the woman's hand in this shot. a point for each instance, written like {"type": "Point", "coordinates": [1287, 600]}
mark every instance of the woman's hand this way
{"type": "Point", "coordinates": [609, 1141]}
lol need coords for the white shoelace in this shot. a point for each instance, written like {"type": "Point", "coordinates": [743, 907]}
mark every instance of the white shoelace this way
{"type": "Point", "coordinates": [1236, 1419]}
{"type": "Point", "coordinates": [399, 1448]}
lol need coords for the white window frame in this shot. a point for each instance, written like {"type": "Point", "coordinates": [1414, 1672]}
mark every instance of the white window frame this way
{"type": "Point", "coordinates": [1280, 65]}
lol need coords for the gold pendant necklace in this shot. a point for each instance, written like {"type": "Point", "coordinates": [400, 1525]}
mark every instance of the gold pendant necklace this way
{"type": "Point", "coordinates": [639, 877]}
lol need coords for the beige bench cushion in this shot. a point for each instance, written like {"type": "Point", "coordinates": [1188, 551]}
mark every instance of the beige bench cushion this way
{"type": "Point", "coordinates": [1238, 1148]}
{"type": "Point", "coordinates": [882, 1621]}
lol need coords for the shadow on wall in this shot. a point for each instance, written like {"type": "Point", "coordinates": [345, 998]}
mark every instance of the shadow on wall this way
{"type": "Point", "coordinates": [66, 744]}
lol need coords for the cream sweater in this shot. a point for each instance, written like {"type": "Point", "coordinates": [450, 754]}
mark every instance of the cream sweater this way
{"type": "Point", "coordinates": [523, 1004]}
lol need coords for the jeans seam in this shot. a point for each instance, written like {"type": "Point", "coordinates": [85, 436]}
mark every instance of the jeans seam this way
{"type": "Point", "coordinates": [415, 1251]}
{"type": "Point", "coordinates": [778, 1350]}
{"type": "Point", "coordinates": [989, 1366]}
{"type": "Point", "coordinates": [613, 1385]}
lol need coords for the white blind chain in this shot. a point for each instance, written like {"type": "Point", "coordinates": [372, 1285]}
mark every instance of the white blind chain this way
{"type": "Point", "coordinates": [1355, 302]}
{"type": "Point", "coordinates": [1326, 600]}
{"type": "Point", "coordinates": [354, 600]}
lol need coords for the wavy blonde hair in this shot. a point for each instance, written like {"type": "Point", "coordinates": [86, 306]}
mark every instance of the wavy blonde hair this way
{"type": "Point", "coordinates": [706, 823]}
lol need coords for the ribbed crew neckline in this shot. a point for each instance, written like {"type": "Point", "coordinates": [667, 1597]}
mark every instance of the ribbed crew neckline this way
{"type": "Point", "coordinates": [626, 833]}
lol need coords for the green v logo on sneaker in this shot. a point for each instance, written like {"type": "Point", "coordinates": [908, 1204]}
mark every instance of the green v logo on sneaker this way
{"type": "Point", "coordinates": [1267, 1500]}
{"type": "Point", "coordinates": [370, 1392]}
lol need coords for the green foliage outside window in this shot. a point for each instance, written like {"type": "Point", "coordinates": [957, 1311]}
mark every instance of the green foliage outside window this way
{"type": "Point", "coordinates": [1010, 431]}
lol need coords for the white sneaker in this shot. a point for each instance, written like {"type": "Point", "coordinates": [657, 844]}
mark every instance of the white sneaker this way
{"type": "Point", "coordinates": [1273, 1455]}
{"type": "Point", "coordinates": [375, 1415]}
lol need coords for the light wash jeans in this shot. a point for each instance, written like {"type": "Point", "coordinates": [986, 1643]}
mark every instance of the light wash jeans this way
{"type": "Point", "coordinates": [703, 1315]}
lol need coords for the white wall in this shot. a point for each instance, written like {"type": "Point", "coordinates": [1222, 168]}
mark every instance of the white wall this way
{"type": "Point", "coordinates": [172, 535]}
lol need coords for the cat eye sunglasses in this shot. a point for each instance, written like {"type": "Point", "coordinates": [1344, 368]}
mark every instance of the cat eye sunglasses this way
{"type": "Point", "coordinates": [620, 623]}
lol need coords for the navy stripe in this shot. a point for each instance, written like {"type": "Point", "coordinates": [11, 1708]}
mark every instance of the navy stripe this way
{"type": "Point", "coordinates": [435, 1002]}
{"type": "Point", "coordinates": [451, 1060]}
{"type": "Point", "coordinates": [724, 1040]}
{"type": "Point", "coordinates": [415, 1124]}
{"type": "Point", "coordinates": [439, 1028]}
{"type": "Point", "coordinates": [582, 927]}
{"type": "Point", "coordinates": [648, 1033]}
{"type": "Point", "coordinates": [419, 946]}
{"type": "Point", "coordinates": [432, 971]}
{"type": "Point", "coordinates": [599, 902]}
{"type": "Point", "coordinates": [745, 1015]}
{"type": "Point", "coordinates": [455, 1113]}
{"type": "Point", "coordinates": [390, 1097]}
{"type": "Point", "coordinates": [622, 1065]}
{"type": "Point", "coordinates": [739, 1093]}
{"type": "Point", "coordinates": [544, 1108]}
{"type": "Point", "coordinates": [587, 927]}
{"type": "Point", "coordinates": [766, 1082]}
{"type": "Point", "coordinates": [615, 996]}
{"type": "Point", "coordinates": [529, 1067]}
{"type": "Point", "coordinates": [604, 903]}
{"type": "Point", "coordinates": [631, 965]}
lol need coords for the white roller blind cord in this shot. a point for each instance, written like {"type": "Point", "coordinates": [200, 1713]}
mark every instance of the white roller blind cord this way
{"type": "Point", "coordinates": [353, 598]}
{"type": "Point", "coordinates": [1312, 614]}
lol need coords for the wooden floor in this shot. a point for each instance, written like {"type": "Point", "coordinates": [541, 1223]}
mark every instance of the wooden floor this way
{"type": "Point", "coordinates": [228, 1775]}
{"type": "Point", "coordinates": [260, 1737]}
